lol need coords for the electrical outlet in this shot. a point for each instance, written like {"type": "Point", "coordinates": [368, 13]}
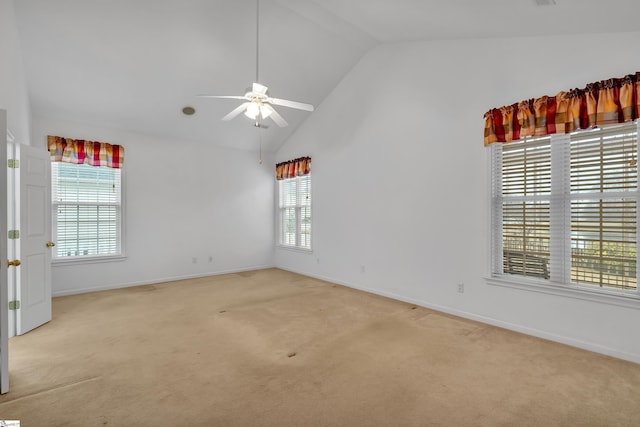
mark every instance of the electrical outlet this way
{"type": "Point", "coordinates": [461, 287]}
{"type": "Point", "coordinates": [210, 258]}
{"type": "Point", "coordinates": [194, 260]}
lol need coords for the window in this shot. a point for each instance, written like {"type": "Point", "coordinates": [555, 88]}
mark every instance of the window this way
{"type": "Point", "coordinates": [564, 208]}
{"type": "Point", "coordinates": [295, 212]}
{"type": "Point", "coordinates": [87, 210]}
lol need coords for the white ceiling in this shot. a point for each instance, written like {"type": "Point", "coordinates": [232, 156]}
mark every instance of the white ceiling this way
{"type": "Point", "coordinates": [134, 64]}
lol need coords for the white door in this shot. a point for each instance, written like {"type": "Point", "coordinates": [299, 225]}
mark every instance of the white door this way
{"type": "Point", "coordinates": [33, 288]}
{"type": "Point", "coordinates": [4, 280]}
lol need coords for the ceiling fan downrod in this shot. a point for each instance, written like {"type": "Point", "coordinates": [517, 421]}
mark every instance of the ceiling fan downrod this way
{"type": "Point", "coordinates": [257, 39]}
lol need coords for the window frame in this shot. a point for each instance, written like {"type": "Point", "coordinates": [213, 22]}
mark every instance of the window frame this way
{"type": "Point", "coordinates": [90, 259]}
{"type": "Point", "coordinates": [298, 212]}
{"type": "Point", "coordinates": [629, 298]}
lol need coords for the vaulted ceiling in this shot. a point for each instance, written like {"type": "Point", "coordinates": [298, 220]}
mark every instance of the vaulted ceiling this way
{"type": "Point", "coordinates": [134, 64]}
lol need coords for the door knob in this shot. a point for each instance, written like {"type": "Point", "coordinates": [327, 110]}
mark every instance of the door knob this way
{"type": "Point", "coordinates": [14, 263]}
{"type": "Point", "coordinates": [50, 244]}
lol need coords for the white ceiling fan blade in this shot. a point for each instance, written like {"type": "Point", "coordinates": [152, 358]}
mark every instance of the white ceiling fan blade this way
{"type": "Point", "coordinates": [275, 116]}
{"type": "Point", "coordinates": [221, 96]}
{"type": "Point", "coordinates": [291, 104]}
{"type": "Point", "coordinates": [259, 89]}
{"type": "Point", "coordinates": [236, 112]}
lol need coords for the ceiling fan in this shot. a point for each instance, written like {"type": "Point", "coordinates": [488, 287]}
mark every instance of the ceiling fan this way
{"type": "Point", "coordinates": [258, 104]}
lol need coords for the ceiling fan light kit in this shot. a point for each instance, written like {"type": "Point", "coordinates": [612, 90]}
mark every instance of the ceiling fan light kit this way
{"type": "Point", "coordinates": [258, 104]}
{"type": "Point", "coordinates": [255, 109]}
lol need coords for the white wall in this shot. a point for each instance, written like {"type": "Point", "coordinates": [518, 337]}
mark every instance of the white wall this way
{"type": "Point", "coordinates": [399, 178]}
{"type": "Point", "coordinates": [13, 89]}
{"type": "Point", "coordinates": [183, 200]}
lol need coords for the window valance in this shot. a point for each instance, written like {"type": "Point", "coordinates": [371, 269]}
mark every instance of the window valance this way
{"type": "Point", "coordinates": [79, 151]}
{"type": "Point", "coordinates": [293, 168]}
{"type": "Point", "coordinates": [606, 102]}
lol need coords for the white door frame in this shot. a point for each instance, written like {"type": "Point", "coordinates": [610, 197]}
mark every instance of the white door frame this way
{"type": "Point", "coordinates": [4, 289]}
{"type": "Point", "coordinates": [13, 249]}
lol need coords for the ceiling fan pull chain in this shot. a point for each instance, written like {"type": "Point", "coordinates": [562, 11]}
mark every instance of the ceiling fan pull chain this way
{"type": "Point", "coordinates": [260, 140]}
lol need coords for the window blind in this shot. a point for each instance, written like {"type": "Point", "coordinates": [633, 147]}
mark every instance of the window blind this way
{"type": "Point", "coordinates": [564, 207]}
{"type": "Point", "coordinates": [86, 203]}
{"type": "Point", "coordinates": [295, 211]}
{"type": "Point", "coordinates": [604, 180]}
{"type": "Point", "coordinates": [525, 209]}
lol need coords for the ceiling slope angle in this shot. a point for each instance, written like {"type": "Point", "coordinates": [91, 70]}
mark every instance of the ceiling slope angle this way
{"type": "Point", "coordinates": [134, 66]}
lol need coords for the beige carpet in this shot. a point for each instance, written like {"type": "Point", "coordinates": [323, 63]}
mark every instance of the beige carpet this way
{"type": "Point", "coordinates": [272, 348]}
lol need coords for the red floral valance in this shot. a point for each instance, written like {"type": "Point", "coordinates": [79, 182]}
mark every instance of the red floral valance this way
{"type": "Point", "coordinates": [79, 151]}
{"type": "Point", "coordinates": [606, 102]}
{"type": "Point", "coordinates": [293, 168]}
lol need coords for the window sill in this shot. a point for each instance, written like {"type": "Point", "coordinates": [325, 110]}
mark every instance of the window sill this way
{"type": "Point", "coordinates": [87, 260]}
{"type": "Point", "coordinates": [629, 299]}
{"type": "Point", "coordinates": [294, 249]}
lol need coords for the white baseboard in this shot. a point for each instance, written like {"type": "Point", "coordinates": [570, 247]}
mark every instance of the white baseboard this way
{"type": "Point", "coordinates": [155, 281]}
{"type": "Point", "coordinates": [590, 346]}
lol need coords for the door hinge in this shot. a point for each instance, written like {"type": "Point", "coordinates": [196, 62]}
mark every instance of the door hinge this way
{"type": "Point", "coordinates": [13, 163]}
{"type": "Point", "coordinates": [14, 305]}
{"type": "Point", "coordinates": [14, 234]}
